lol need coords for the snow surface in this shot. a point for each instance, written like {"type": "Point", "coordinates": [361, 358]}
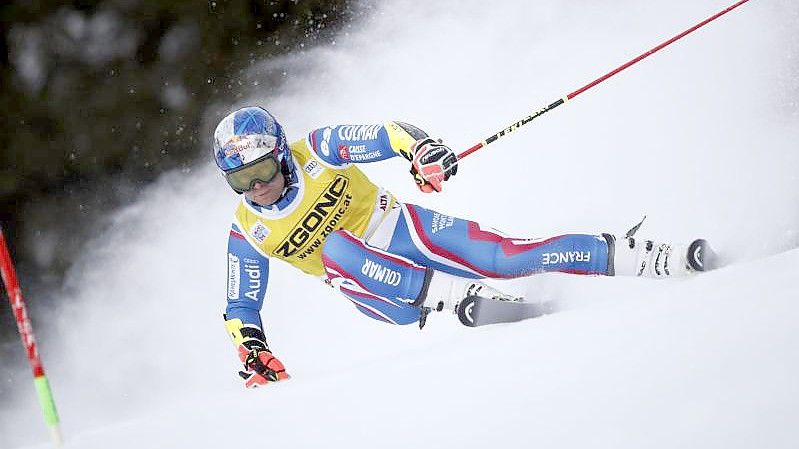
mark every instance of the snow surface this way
{"type": "Point", "coordinates": [700, 137]}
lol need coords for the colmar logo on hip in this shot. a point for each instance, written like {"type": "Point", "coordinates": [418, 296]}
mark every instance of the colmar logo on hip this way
{"type": "Point", "coordinates": [380, 273]}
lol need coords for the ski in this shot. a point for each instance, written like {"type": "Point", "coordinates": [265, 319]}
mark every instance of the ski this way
{"type": "Point", "coordinates": [478, 311]}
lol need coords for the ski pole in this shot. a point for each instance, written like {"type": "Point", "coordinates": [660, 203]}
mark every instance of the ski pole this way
{"type": "Point", "coordinates": [568, 97]}
{"type": "Point", "coordinates": [26, 334]}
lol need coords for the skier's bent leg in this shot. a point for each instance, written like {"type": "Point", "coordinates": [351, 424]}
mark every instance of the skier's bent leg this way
{"type": "Point", "coordinates": [381, 285]}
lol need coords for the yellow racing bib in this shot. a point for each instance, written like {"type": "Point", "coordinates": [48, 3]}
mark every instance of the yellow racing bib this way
{"type": "Point", "coordinates": [329, 198]}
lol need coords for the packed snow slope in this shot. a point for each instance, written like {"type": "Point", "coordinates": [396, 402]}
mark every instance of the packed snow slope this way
{"type": "Point", "coordinates": [700, 137]}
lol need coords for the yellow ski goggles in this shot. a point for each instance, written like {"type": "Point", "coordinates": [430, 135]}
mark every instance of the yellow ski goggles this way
{"type": "Point", "coordinates": [263, 169]}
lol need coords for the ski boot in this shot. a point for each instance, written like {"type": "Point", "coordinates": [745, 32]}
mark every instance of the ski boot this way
{"type": "Point", "coordinates": [475, 303]}
{"type": "Point", "coordinates": [445, 291]}
{"type": "Point", "coordinates": [639, 257]}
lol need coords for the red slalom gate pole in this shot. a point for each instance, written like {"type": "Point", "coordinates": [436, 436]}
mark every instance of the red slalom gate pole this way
{"type": "Point", "coordinates": [26, 334]}
{"type": "Point", "coordinates": [568, 97]}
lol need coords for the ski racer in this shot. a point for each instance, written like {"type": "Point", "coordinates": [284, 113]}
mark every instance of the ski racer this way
{"type": "Point", "coordinates": [308, 204]}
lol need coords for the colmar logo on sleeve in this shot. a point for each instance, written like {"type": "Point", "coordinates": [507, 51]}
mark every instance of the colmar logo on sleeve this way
{"type": "Point", "coordinates": [358, 132]}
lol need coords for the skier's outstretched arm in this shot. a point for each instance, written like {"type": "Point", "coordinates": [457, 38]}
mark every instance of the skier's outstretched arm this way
{"type": "Point", "coordinates": [247, 274]}
{"type": "Point", "coordinates": [431, 161]}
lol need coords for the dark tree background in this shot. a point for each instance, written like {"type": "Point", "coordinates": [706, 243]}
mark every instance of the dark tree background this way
{"type": "Point", "coordinates": [94, 91]}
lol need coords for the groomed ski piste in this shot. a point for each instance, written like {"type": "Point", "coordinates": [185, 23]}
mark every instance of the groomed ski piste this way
{"type": "Point", "coordinates": [700, 137]}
